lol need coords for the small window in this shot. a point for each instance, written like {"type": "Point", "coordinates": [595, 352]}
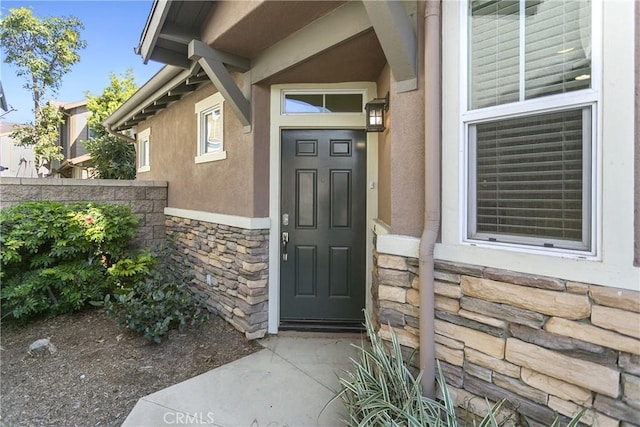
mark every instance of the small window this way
{"type": "Point", "coordinates": [143, 150]}
{"type": "Point", "coordinates": [298, 102]}
{"type": "Point", "coordinates": [210, 118]}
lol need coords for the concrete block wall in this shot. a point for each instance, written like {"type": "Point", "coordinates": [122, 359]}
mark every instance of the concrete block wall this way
{"type": "Point", "coordinates": [231, 268]}
{"type": "Point", "coordinates": [147, 199]}
{"type": "Point", "coordinates": [549, 345]}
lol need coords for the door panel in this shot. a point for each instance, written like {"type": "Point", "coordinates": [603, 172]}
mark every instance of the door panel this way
{"type": "Point", "coordinates": [324, 196]}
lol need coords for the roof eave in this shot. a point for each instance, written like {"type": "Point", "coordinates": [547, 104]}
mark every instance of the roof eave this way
{"type": "Point", "coordinates": [143, 96]}
{"type": "Point", "coordinates": [153, 27]}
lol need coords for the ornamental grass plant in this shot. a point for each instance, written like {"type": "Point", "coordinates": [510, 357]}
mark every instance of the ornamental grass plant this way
{"type": "Point", "coordinates": [381, 391]}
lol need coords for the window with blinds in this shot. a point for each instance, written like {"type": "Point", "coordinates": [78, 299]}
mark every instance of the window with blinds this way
{"type": "Point", "coordinates": [524, 49]}
{"type": "Point", "coordinates": [531, 179]}
{"type": "Point", "coordinates": [530, 173]}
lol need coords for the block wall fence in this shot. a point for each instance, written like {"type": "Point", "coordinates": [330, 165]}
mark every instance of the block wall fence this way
{"type": "Point", "coordinates": [549, 345]}
{"type": "Point", "coordinates": [147, 199]}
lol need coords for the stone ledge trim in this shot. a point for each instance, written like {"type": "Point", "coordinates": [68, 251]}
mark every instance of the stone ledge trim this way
{"type": "Point", "coordinates": [477, 340]}
{"type": "Point", "coordinates": [215, 218]}
{"type": "Point", "coordinates": [556, 387]}
{"type": "Point", "coordinates": [578, 372]}
{"type": "Point", "coordinates": [552, 303]}
{"type": "Point", "coordinates": [622, 321]}
{"type": "Point", "coordinates": [592, 334]}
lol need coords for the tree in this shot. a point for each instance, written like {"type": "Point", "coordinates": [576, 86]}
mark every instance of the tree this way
{"type": "Point", "coordinates": [113, 96]}
{"type": "Point", "coordinates": [42, 49]}
{"type": "Point", "coordinates": [43, 135]}
{"type": "Point", "coordinates": [113, 157]}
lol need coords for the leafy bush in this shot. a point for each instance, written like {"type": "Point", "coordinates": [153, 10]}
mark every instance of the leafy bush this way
{"type": "Point", "coordinates": [54, 257]}
{"type": "Point", "coordinates": [381, 391]}
{"type": "Point", "coordinates": [152, 298]}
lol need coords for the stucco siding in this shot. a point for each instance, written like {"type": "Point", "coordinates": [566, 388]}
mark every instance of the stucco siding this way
{"type": "Point", "coordinates": [261, 129]}
{"type": "Point", "coordinates": [384, 157]}
{"type": "Point", "coordinates": [224, 186]}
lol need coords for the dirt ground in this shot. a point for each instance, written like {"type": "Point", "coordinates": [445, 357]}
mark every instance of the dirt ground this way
{"type": "Point", "coordinates": [99, 370]}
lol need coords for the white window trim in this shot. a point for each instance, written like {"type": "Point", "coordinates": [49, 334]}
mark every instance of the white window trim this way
{"type": "Point", "coordinates": [142, 137]}
{"type": "Point", "coordinates": [586, 97]}
{"type": "Point", "coordinates": [612, 267]}
{"type": "Point", "coordinates": [202, 107]}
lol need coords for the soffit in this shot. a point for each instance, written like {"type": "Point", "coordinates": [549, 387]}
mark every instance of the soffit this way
{"type": "Point", "coordinates": [242, 28]}
{"type": "Point", "coordinates": [262, 26]}
{"type": "Point", "coordinates": [358, 59]}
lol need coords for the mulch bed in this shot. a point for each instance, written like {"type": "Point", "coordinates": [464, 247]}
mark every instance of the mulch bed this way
{"type": "Point", "coordinates": [99, 370]}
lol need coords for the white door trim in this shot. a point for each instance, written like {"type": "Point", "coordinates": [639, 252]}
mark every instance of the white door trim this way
{"type": "Point", "coordinates": [281, 121]}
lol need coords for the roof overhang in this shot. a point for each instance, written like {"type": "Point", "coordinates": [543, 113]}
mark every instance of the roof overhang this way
{"type": "Point", "coordinates": [165, 87]}
{"type": "Point", "coordinates": [207, 39]}
{"type": "Point", "coordinates": [170, 27]}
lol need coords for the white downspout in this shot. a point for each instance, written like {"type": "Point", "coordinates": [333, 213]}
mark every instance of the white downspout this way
{"type": "Point", "coordinates": [432, 123]}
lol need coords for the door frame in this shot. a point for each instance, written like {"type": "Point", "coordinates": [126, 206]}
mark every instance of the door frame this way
{"type": "Point", "coordinates": [280, 121]}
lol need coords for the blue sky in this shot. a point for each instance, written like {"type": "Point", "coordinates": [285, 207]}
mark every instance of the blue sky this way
{"type": "Point", "coordinates": [112, 30]}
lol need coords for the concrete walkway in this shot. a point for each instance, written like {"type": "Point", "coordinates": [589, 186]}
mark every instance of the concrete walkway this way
{"type": "Point", "coordinates": [286, 384]}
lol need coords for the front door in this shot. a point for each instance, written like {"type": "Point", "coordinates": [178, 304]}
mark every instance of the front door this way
{"type": "Point", "coordinates": [323, 228]}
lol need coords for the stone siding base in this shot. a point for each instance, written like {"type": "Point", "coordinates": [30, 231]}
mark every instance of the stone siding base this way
{"type": "Point", "coordinates": [550, 346]}
{"type": "Point", "coordinates": [231, 268]}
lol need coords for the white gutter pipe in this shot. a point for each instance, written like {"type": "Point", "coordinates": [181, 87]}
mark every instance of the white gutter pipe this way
{"type": "Point", "coordinates": [432, 124]}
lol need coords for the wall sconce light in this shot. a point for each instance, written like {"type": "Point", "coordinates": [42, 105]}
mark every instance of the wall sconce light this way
{"type": "Point", "coordinates": [375, 113]}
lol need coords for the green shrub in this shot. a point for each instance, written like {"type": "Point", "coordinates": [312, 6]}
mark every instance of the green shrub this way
{"type": "Point", "coordinates": [381, 391]}
{"type": "Point", "coordinates": [156, 300]}
{"type": "Point", "coordinates": [53, 257]}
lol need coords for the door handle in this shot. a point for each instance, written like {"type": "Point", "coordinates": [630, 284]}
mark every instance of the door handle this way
{"type": "Point", "coordinates": [285, 242]}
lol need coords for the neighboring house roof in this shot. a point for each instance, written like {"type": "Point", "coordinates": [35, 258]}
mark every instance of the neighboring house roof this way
{"type": "Point", "coordinates": [69, 105]}
{"type": "Point", "coordinates": [80, 161]}
{"type": "Point", "coordinates": [7, 127]}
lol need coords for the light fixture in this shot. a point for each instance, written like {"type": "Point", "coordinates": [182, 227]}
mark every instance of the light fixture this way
{"type": "Point", "coordinates": [375, 113]}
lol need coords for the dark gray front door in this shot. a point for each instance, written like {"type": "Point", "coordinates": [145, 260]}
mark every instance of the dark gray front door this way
{"type": "Point", "coordinates": [323, 228]}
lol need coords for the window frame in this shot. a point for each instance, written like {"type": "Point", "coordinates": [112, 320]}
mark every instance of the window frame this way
{"type": "Point", "coordinates": [589, 97]}
{"type": "Point", "coordinates": [324, 93]}
{"type": "Point", "coordinates": [144, 145]}
{"type": "Point", "coordinates": [202, 108]}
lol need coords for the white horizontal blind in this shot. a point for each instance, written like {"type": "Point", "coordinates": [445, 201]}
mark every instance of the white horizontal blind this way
{"type": "Point", "coordinates": [494, 37]}
{"type": "Point", "coordinates": [558, 47]}
{"type": "Point", "coordinates": [523, 49]}
{"type": "Point", "coordinates": [529, 180]}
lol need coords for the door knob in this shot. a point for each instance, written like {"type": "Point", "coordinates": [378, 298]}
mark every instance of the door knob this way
{"type": "Point", "coordinates": [285, 242]}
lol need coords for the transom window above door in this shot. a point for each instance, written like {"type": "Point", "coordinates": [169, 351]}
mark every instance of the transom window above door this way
{"type": "Point", "coordinates": [322, 102]}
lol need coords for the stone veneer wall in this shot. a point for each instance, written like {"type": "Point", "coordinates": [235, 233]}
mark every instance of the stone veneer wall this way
{"type": "Point", "coordinates": [147, 199]}
{"type": "Point", "coordinates": [548, 345]}
{"type": "Point", "coordinates": [235, 260]}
